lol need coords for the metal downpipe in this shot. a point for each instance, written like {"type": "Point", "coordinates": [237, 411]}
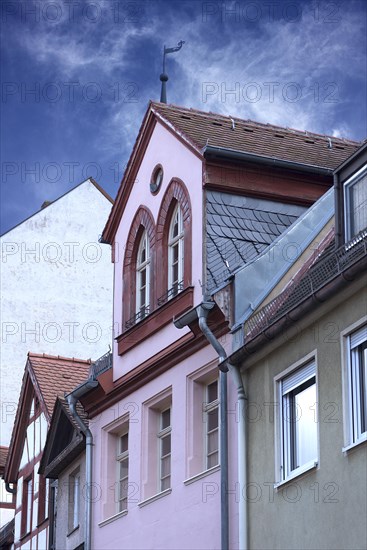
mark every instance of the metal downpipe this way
{"type": "Point", "coordinates": [224, 366]}
{"type": "Point", "coordinates": [202, 316]}
{"type": "Point", "coordinates": [72, 399]}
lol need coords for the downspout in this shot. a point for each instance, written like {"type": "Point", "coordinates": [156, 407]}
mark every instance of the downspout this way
{"type": "Point", "coordinates": [201, 313]}
{"type": "Point", "coordinates": [224, 366]}
{"type": "Point", "coordinates": [11, 490]}
{"type": "Point", "coordinates": [72, 399]}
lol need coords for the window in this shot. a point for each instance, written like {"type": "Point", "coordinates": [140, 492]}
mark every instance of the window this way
{"type": "Point", "coordinates": [164, 445]}
{"type": "Point", "coordinates": [143, 277]}
{"type": "Point", "coordinates": [156, 432]}
{"type": "Point", "coordinates": [211, 411]}
{"type": "Point", "coordinates": [356, 403]}
{"type": "Point", "coordinates": [27, 506]}
{"type": "Point", "coordinates": [355, 201]}
{"type": "Point", "coordinates": [74, 500]}
{"type": "Point", "coordinates": [175, 252]}
{"type": "Point", "coordinates": [117, 492]}
{"type": "Point", "coordinates": [122, 471]}
{"type": "Point", "coordinates": [297, 445]}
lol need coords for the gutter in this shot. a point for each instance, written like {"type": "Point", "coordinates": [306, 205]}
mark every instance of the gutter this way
{"type": "Point", "coordinates": [223, 152]}
{"type": "Point", "coordinates": [9, 489]}
{"type": "Point", "coordinates": [201, 313]}
{"type": "Point", "coordinates": [72, 399]}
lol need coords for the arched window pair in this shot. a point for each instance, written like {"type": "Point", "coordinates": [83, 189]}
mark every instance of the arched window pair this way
{"type": "Point", "coordinates": [157, 263]}
{"type": "Point", "coordinates": [175, 273]}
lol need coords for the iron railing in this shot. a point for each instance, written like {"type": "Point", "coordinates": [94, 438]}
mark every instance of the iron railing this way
{"type": "Point", "coordinates": [171, 293]}
{"type": "Point", "coordinates": [142, 313]}
{"type": "Point", "coordinates": [101, 365]}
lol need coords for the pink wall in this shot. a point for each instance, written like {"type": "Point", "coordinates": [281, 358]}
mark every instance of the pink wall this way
{"type": "Point", "coordinates": [188, 517]}
{"type": "Point", "coordinates": [178, 162]}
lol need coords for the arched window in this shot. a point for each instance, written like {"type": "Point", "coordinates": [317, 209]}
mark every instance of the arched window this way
{"type": "Point", "coordinates": [176, 252]}
{"type": "Point", "coordinates": [143, 277]}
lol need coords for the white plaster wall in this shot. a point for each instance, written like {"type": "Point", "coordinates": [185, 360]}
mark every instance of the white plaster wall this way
{"type": "Point", "coordinates": [56, 289]}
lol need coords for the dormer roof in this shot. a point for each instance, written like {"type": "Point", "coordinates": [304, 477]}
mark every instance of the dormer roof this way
{"type": "Point", "coordinates": [199, 130]}
{"type": "Point", "coordinates": [46, 377]}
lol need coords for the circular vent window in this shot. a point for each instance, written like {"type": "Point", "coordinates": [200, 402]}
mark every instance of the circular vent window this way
{"type": "Point", "coordinates": [156, 179]}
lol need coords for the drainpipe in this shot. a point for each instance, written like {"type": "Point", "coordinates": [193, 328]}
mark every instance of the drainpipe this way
{"type": "Point", "coordinates": [11, 490]}
{"type": "Point", "coordinates": [72, 399]}
{"type": "Point", "coordinates": [201, 312]}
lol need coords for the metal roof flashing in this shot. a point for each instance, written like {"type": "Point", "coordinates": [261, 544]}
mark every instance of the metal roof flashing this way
{"type": "Point", "coordinates": [254, 281]}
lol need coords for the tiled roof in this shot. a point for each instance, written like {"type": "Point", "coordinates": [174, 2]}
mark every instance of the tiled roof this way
{"type": "Point", "coordinates": [56, 375]}
{"type": "Point", "coordinates": [239, 228]}
{"type": "Point", "coordinates": [202, 128]}
{"type": "Point", "coordinates": [79, 408]}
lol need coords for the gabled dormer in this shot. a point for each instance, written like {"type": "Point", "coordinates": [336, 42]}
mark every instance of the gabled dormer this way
{"type": "Point", "coordinates": [350, 184]}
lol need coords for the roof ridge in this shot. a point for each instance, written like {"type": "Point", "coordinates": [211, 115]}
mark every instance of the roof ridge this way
{"type": "Point", "coordinates": [60, 358]}
{"type": "Point", "coordinates": [209, 114]}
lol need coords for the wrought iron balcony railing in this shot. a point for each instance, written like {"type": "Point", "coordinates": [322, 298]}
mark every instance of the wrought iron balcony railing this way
{"type": "Point", "coordinates": [142, 313]}
{"type": "Point", "coordinates": [171, 293]}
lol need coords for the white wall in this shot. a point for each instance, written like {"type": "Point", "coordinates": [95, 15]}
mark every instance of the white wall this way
{"type": "Point", "coordinates": [56, 289]}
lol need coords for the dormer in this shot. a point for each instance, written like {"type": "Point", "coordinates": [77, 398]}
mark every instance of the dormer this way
{"type": "Point", "coordinates": [350, 184]}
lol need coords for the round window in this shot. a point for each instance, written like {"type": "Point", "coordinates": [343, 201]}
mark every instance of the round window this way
{"type": "Point", "coordinates": [156, 179]}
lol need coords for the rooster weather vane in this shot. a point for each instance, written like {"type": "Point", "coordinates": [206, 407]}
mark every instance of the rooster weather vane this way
{"type": "Point", "coordinates": [164, 77]}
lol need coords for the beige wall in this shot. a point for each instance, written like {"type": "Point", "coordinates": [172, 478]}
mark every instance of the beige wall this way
{"type": "Point", "coordinates": [326, 507]}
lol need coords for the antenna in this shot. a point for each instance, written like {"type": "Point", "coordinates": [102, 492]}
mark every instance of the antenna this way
{"type": "Point", "coordinates": [164, 77]}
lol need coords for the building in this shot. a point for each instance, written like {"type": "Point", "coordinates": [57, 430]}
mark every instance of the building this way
{"type": "Point", "coordinates": [202, 196]}
{"type": "Point", "coordinates": [56, 288]}
{"type": "Point", "coordinates": [303, 359]}
{"type": "Point", "coordinates": [45, 380]}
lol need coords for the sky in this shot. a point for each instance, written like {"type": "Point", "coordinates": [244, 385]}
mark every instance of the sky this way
{"type": "Point", "coordinates": [77, 77]}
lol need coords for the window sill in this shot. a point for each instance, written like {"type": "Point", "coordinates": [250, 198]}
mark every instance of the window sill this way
{"type": "Point", "coordinates": [156, 320]}
{"type": "Point", "coordinates": [297, 473]}
{"type": "Point", "coordinates": [72, 531]}
{"type": "Point", "coordinates": [201, 475]}
{"type": "Point", "coordinates": [354, 444]}
{"type": "Point", "coordinates": [112, 518]}
{"type": "Point", "coordinates": [154, 497]}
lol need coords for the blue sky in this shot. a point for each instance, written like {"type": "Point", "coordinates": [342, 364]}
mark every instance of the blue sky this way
{"type": "Point", "coordinates": [77, 77]}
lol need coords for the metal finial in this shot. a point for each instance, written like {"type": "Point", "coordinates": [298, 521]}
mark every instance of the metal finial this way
{"type": "Point", "coordinates": [164, 77]}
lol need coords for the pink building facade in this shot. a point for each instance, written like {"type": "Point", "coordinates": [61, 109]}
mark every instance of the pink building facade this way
{"type": "Point", "coordinates": [180, 225]}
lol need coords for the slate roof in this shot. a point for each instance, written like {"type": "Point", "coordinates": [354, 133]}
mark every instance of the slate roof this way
{"type": "Point", "coordinates": [57, 375]}
{"type": "Point", "coordinates": [239, 228]}
{"type": "Point", "coordinates": [206, 128]}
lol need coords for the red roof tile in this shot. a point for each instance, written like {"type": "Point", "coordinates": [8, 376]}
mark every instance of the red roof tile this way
{"type": "Point", "coordinates": [56, 375]}
{"type": "Point", "coordinates": [203, 128]}
{"type": "Point", "coordinates": [3, 455]}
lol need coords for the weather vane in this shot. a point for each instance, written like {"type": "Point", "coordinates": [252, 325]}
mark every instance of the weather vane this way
{"type": "Point", "coordinates": [164, 77]}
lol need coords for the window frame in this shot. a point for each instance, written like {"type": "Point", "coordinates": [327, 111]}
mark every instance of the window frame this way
{"type": "Point", "coordinates": [143, 266]}
{"type": "Point", "coordinates": [354, 408]}
{"type": "Point", "coordinates": [175, 286]}
{"type": "Point", "coordinates": [122, 456]}
{"type": "Point", "coordinates": [164, 433]}
{"type": "Point", "coordinates": [349, 220]}
{"type": "Point", "coordinates": [74, 508]}
{"type": "Point", "coordinates": [297, 377]}
{"type": "Point", "coordinates": [208, 408]}
{"type": "Point", "coordinates": [27, 506]}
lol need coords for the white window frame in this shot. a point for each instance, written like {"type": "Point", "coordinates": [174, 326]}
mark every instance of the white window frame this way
{"type": "Point", "coordinates": [141, 267]}
{"type": "Point", "coordinates": [122, 456]}
{"type": "Point", "coordinates": [348, 207]}
{"type": "Point", "coordinates": [74, 499]}
{"type": "Point", "coordinates": [164, 433]}
{"type": "Point", "coordinates": [353, 343]}
{"type": "Point", "coordinates": [208, 408]}
{"type": "Point", "coordinates": [285, 384]}
{"type": "Point", "coordinates": [173, 242]}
